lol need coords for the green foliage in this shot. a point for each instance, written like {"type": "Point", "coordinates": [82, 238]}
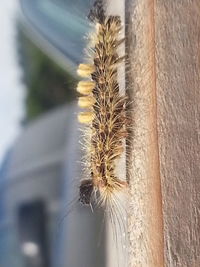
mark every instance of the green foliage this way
{"type": "Point", "coordinates": [47, 84]}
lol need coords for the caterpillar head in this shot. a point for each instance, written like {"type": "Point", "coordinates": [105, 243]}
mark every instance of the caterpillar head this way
{"type": "Point", "coordinates": [85, 191]}
{"type": "Point", "coordinates": [97, 13]}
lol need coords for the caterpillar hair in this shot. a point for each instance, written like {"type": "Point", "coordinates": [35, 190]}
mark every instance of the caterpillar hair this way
{"type": "Point", "coordinates": [105, 112]}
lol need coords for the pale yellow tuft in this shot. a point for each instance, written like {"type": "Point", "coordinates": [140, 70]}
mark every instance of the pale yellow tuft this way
{"type": "Point", "coordinates": [85, 117]}
{"type": "Point", "coordinates": [85, 87]}
{"type": "Point", "coordinates": [86, 101]}
{"type": "Point", "coordinates": [85, 70]}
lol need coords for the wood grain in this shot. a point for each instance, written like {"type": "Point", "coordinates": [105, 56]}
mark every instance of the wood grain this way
{"type": "Point", "coordinates": [145, 219]}
{"type": "Point", "coordinates": [178, 98]}
{"type": "Point", "coordinates": [163, 48]}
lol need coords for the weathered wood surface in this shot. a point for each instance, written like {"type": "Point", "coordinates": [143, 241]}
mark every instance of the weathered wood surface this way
{"type": "Point", "coordinates": [145, 222]}
{"type": "Point", "coordinates": [178, 98]}
{"type": "Point", "coordinates": [164, 78]}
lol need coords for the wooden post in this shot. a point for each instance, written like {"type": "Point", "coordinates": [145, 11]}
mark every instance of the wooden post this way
{"type": "Point", "coordinates": [178, 98]}
{"type": "Point", "coordinates": [163, 46]}
{"type": "Point", "coordinates": [145, 222]}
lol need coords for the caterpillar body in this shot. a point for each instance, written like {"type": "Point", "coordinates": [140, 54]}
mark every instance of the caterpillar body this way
{"type": "Point", "coordinates": [105, 111]}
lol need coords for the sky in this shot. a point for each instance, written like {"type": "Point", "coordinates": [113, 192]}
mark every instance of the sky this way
{"type": "Point", "coordinates": [11, 89]}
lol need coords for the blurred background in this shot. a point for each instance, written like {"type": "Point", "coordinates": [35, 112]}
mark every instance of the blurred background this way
{"type": "Point", "coordinates": [41, 222]}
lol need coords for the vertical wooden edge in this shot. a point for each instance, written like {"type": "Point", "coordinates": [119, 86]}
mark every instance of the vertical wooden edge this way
{"type": "Point", "coordinates": [145, 218]}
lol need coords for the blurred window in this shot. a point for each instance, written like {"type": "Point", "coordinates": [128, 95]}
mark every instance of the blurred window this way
{"type": "Point", "coordinates": [10, 255]}
{"type": "Point", "coordinates": [32, 234]}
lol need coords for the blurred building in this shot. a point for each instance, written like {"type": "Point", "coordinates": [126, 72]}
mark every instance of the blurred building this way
{"type": "Point", "coordinates": [38, 191]}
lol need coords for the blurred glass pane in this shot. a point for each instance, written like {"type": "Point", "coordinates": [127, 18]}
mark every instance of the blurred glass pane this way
{"type": "Point", "coordinates": [10, 253]}
{"type": "Point", "coordinates": [33, 234]}
{"type": "Point", "coordinates": [63, 23]}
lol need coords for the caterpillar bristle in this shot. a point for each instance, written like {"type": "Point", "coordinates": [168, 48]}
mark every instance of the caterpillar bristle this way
{"type": "Point", "coordinates": [97, 13]}
{"type": "Point", "coordinates": [107, 191]}
{"type": "Point", "coordinates": [105, 117]}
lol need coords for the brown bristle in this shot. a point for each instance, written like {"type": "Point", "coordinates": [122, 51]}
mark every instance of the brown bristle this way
{"type": "Point", "coordinates": [97, 13]}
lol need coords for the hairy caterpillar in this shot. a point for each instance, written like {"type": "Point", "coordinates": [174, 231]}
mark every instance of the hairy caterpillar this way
{"type": "Point", "coordinates": [105, 111]}
{"type": "Point", "coordinates": [105, 130]}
